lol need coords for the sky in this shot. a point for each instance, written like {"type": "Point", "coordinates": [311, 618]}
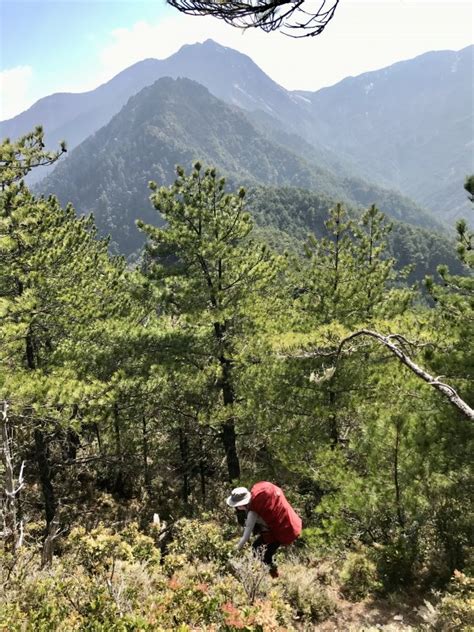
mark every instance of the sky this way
{"type": "Point", "coordinates": [49, 46]}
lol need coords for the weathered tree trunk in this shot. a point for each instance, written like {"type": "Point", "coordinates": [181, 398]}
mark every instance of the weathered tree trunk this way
{"type": "Point", "coordinates": [48, 544]}
{"type": "Point", "coordinates": [13, 528]}
{"type": "Point", "coordinates": [146, 469]}
{"type": "Point", "coordinates": [42, 459]}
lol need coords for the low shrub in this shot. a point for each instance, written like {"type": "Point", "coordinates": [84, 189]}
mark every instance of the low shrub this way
{"type": "Point", "coordinates": [456, 608]}
{"type": "Point", "coordinates": [358, 576]}
{"type": "Point", "coordinates": [196, 540]}
{"type": "Point", "coordinates": [396, 562]}
{"type": "Point", "coordinates": [143, 546]}
{"type": "Point", "coordinates": [310, 600]}
{"type": "Point", "coordinates": [252, 574]}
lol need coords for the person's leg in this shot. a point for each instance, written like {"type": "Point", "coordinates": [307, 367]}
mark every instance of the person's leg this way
{"type": "Point", "coordinates": [270, 551]}
{"type": "Point", "coordinates": [265, 552]}
{"type": "Point", "coordinates": [258, 547]}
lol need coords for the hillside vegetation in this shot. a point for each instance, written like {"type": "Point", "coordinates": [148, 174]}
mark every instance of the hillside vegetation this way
{"type": "Point", "coordinates": [178, 122]}
{"type": "Point", "coordinates": [133, 400]}
{"type": "Point", "coordinates": [406, 127]}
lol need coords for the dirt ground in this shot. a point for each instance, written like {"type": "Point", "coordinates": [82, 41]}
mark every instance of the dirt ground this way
{"type": "Point", "coordinates": [373, 614]}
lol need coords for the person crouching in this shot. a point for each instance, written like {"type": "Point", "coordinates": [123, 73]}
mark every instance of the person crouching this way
{"type": "Point", "coordinates": [269, 513]}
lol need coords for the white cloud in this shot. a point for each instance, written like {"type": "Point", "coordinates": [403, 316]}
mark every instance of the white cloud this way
{"type": "Point", "coordinates": [15, 85]}
{"type": "Point", "coordinates": [364, 35]}
{"type": "Point", "coordinates": [160, 40]}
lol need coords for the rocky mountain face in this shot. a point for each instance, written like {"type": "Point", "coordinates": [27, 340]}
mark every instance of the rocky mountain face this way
{"type": "Point", "coordinates": [228, 74]}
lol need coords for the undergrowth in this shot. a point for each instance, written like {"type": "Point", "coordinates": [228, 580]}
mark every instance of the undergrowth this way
{"type": "Point", "coordinates": [108, 581]}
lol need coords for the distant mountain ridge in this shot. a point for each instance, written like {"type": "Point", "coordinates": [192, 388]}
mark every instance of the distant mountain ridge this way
{"type": "Point", "coordinates": [401, 127]}
{"type": "Point", "coordinates": [177, 122]}
{"type": "Point", "coordinates": [410, 126]}
{"type": "Point", "coordinates": [228, 74]}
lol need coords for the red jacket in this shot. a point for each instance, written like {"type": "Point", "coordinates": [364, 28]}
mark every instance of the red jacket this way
{"type": "Point", "coordinates": [269, 502]}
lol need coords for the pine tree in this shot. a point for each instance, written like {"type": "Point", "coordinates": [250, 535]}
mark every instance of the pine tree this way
{"type": "Point", "coordinates": [454, 313]}
{"type": "Point", "coordinates": [56, 278]}
{"type": "Point", "coordinates": [328, 293]}
{"type": "Point", "coordinates": [210, 271]}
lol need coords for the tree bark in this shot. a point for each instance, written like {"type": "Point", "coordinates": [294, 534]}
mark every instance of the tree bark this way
{"type": "Point", "coordinates": [13, 530]}
{"type": "Point", "coordinates": [42, 459]}
{"type": "Point", "coordinates": [228, 435]}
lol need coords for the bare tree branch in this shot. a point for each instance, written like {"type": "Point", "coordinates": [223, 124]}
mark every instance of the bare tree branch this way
{"type": "Point", "coordinates": [445, 389]}
{"type": "Point", "coordinates": [401, 352]}
{"type": "Point", "coordinates": [268, 15]}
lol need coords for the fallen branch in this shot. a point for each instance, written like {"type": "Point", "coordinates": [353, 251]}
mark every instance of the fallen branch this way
{"type": "Point", "coordinates": [445, 389]}
{"type": "Point", "coordinates": [389, 342]}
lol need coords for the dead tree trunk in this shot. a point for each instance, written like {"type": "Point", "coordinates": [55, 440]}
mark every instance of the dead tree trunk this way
{"type": "Point", "coordinates": [12, 528]}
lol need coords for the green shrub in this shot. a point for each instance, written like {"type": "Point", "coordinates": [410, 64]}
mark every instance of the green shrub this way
{"type": "Point", "coordinates": [98, 550]}
{"type": "Point", "coordinates": [12, 619]}
{"type": "Point", "coordinates": [396, 562]}
{"type": "Point", "coordinates": [143, 546]}
{"type": "Point", "coordinates": [358, 576]}
{"type": "Point", "coordinates": [456, 609]}
{"type": "Point", "coordinates": [309, 599]}
{"type": "Point", "coordinates": [199, 541]}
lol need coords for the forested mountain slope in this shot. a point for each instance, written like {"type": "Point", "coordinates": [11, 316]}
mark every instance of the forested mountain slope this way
{"type": "Point", "coordinates": [133, 400]}
{"type": "Point", "coordinates": [410, 125]}
{"type": "Point", "coordinates": [178, 122]}
{"type": "Point", "coordinates": [228, 74]}
{"type": "Point", "coordinates": [285, 216]}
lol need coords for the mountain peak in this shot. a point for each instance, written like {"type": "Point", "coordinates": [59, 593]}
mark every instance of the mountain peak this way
{"type": "Point", "coordinates": [212, 43]}
{"type": "Point", "coordinates": [209, 47]}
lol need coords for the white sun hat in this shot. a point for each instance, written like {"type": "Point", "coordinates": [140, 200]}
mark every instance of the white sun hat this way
{"type": "Point", "coordinates": [238, 497]}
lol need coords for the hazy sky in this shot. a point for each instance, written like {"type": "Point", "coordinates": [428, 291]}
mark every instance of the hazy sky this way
{"type": "Point", "coordinates": [74, 45]}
